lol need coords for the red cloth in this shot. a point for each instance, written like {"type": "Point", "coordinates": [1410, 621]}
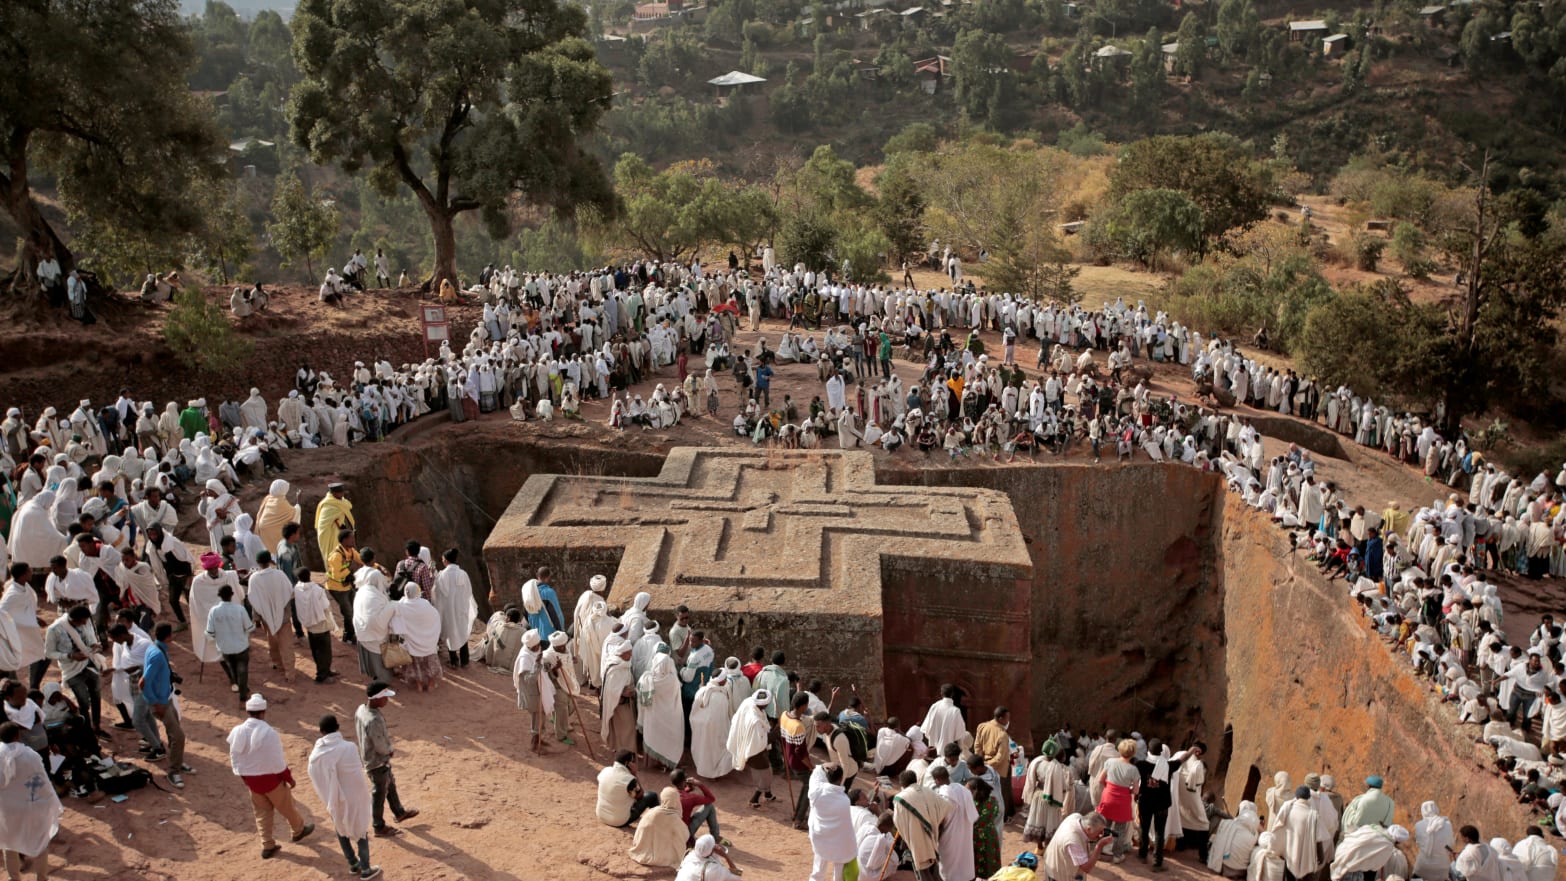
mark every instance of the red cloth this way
{"type": "Point", "coordinates": [261, 784]}
{"type": "Point", "coordinates": [693, 798]}
{"type": "Point", "coordinates": [752, 670]}
{"type": "Point", "coordinates": [1115, 803]}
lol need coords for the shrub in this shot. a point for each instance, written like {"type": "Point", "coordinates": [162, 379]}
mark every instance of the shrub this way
{"type": "Point", "coordinates": [1367, 252]}
{"type": "Point", "coordinates": [200, 336]}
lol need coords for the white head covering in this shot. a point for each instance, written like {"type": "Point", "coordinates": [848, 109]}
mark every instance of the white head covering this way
{"type": "Point", "coordinates": [531, 639]}
{"type": "Point", "coordinates": [256, 704]}
{"type": "Point", "coordinates": [279, 487]}
{"type": "Point", "coordinates": [1161, 765]}
{"type": "Point", "coordinates": [598, 583]}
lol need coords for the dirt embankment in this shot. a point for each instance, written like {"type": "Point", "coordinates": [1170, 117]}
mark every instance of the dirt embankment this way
{"type": "Point", "coordinates": [53, 361]}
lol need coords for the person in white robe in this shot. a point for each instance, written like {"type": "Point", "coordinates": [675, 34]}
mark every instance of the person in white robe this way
{"type": "Point", "coordinates": [30, 809]}
{"type": "Point", "coordinates": [1047, 793]}
{"type": "Point", "coordinates": [635, 618]}
{"type": "Point", "coordinates": [706, 861]}
{"type": "Point", "coordinates": [1298, 835]}
{"type": "Point", "coordinates": [337, 774]}
{"type": "Point", "coordinates": [1537, 857]}
{"type": "Point", "coordinates": [453, 599]}
{"type": "Point", "coordinates": [747, 743]}
{"type": "Point", "coordinates": [1477, 861]}
{"type": "Point", "coordinates": [710, 715]}
{"type": "Point", "coordinates": [834, 848]}
{"type": "Point", "coordinates": [1265, 865]}
{"type": "Point", "coordinates": [19, 604]}
{"type": "Point", "coordinates": [660, 712]}
{"type": "Point", "coordinates": [204, 598]}
{"type": "Point", "coordinates": [1229, 853]}
{"type": "Point", "coordinates": [582, 618]}
{"type": "Point", "coordinates": [1369, 848]}
{"type": "Point", "coordinates": [417, 622]}
{"type": "Point", "coordinates": [1278, 795]}
{"type": "Point", "coordinates": [943, 723]}
{"type": "Point", "coordinates": [875, 847]}
{"type": "Point", "coordinates": [956, 841]}
{"type": "Point", "coordinates": [270, 593]}
{"type": "Point", "coordinates": [1190, 812]}
{"type": "Point", "coordinates": [34, 539]}
{"type": "Point", "coordinates": [1432, 837]}
{"type": "Point", "coordinates": [1511, 867]}
{"type": "Point", "coordinates": [643, 650]}
{"type": "Point", "coordinates": [276, 511]}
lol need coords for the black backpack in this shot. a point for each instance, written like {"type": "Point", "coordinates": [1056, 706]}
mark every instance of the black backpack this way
{"type": "Point", "coordinates": [122, 778]}
{"type": "Point", "coordinates": [858, 739]}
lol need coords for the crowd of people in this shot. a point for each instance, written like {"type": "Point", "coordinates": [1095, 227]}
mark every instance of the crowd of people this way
{"type": "Point", "coordinates": [94, 533]}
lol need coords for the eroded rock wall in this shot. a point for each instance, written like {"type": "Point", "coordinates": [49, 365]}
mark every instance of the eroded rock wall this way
{"type": "Point", "coordinates": [1311, 687]}
{"type": "Point", "coordinates": [1127, 602]}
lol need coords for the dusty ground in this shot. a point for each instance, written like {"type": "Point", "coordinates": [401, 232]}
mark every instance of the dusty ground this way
{"type": "Point", "coordinates": [490, 809]}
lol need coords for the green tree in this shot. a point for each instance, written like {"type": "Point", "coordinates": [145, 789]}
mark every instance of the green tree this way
{"type": "Point", "coordinates": [198, 333]}
{"type": "Point", "coordinates": [1192, 51]}
{"type": "Point", "coordinates": [899, 208]}
{"type": "Point", "coordinates": [94, 94]}
{"type": "Point", "coordinates": [916, 137]}
{"type": "Point", "coordinates": [1377, 342]}
{"type": "Point", "coordinates": [1504, 325]}
{"type": "Point", "coordinates": [1214, 169]}
{"type": "Point", "coordinates": [219, 37]}
{"type": "Point", "coordinates": [302, 225]}
{"type": "Point", "coordinates": [466, 103]}
{"type": "Point", "coordinates": [1147, 70]}
{"type": "Point", "coordinates": [1239, 29]}
{"type": "Point", "coordinates": [1004, 200]}
{"type": "Point", "coordinates": [227, 240]}
{"type": "Point", "coordinates": [1147, 224]}
{"type": "Point", "coordinates": [986, 85]}
{"type": "Point", "coordinates": [1408, 246]}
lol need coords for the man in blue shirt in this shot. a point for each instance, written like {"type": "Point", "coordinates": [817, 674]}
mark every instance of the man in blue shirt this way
{"type": "Point", "coordinates": [229, 626]}
{"type": "Point", "coordinates": [764, 383]}
{"type": "Point", "coordinates": [157, 689]}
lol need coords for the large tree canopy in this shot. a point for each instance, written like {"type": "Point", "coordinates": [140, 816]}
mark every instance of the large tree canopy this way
{"type": "Point", "coordinates": [464, 102]}
{"type": "Point", "coordinates": [95, 93]}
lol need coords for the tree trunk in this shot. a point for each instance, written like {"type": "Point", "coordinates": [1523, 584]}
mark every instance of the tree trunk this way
{"type": "Point", "coordinates": [38, 237]}
{"type": "Point", "coordinates": [445, 246]}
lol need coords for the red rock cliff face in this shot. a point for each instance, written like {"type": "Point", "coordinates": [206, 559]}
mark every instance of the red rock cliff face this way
{"type": "Point", "coordinates": [1127, 595]}
{"type": "Point", "coordinates": [1311, 687]}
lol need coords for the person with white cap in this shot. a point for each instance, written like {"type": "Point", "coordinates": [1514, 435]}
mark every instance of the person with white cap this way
{"type": "Point", "coordinates": [255, 752]}
{"type": "Point", "coordinates": [597, 588]}
{"type": "Point", "coordinates": [749, 733]}
{"type": "Point", "coordinates": [617, 700]}
{"type": "Point", "coordinates": [534, 690]}
{"type": "Point", "coordinates": [561, 674]}
{"type": "Point", "coordinates": [339, 780]}
{"type": "Point", "coordinates": [376, 751]}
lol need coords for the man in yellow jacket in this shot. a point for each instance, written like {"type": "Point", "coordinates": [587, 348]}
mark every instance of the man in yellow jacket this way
{"type": "Point", "coordinates": [334, 513]}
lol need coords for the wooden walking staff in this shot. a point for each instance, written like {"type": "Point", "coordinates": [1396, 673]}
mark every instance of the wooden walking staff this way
{"type": "Point", "coordinates": [890, 852]}
{"type": "Point", "coordinates": [586, 737]}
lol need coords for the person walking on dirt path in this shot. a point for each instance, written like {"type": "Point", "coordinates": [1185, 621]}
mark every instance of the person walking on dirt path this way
{"type": "Point", "coordinates": [255, 751]}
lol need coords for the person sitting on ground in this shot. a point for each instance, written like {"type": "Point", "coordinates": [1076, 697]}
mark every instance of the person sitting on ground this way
{"type": "Point", "coordinates": [621, 800]}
